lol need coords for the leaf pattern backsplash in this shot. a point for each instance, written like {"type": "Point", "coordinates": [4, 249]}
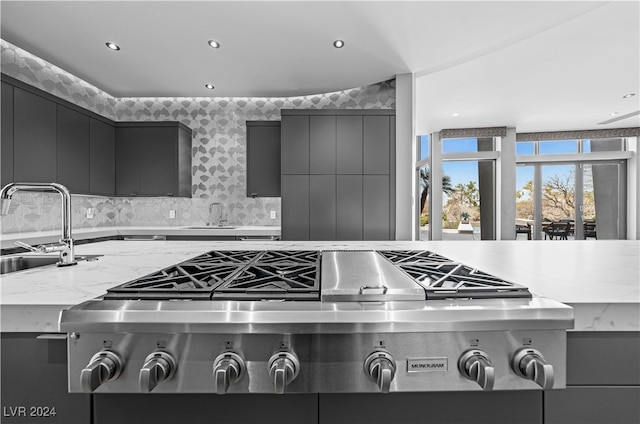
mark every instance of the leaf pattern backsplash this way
{"type": "Point", "coordinates": [218, 149]}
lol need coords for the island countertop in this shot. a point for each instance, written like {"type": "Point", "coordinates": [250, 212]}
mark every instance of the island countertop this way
{"type": "Point", "coordinates": [599, 279]}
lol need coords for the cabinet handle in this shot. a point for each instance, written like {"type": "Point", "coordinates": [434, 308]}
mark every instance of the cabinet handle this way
{"type": "Point", "coordinates": [52, 336]}
{"type": "Point", "coordinates": [170, 194]}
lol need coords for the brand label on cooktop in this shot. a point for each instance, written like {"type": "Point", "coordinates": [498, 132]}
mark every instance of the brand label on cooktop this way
{"type": "Point", "coordinates": [427, 364]}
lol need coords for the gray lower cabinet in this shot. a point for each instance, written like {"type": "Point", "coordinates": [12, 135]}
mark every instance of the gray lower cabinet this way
{"type": "Point", "coordinates": [206, 409]}
{"type": "Point", "coordinates": [603, 380]}
{"type": "Point", "coordinates": [322, 207]}
{"type": "Point", "coordinates": [34, 382]}
{"type": "Point", "coordinates": [73, 149]}
{"type": "Point", "coordinates": [6, 134]}
{"type": "Point", "coordinates": [34, 138]}
{"type": "Point", "coordinates": [295, 189]}
{"type": "Point", "coordinates": [516, 407]}
{"type": "Point", "coordinates": [102, 158]}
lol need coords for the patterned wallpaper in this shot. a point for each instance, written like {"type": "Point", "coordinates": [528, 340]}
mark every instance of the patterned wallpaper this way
{"type": "Point", "coordinates": [218, 148]}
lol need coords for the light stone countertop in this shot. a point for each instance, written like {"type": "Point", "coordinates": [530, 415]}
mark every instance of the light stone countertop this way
{"type": "Point", "coordinates": [599, 279]}
{"type": "Point", "coordinates": [8, 239]}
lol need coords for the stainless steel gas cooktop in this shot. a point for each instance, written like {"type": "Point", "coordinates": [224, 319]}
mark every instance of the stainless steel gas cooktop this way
{"type": "Point", "coordinates": [310, 322]}
{"type": "Point", "coordinates": [295, 275]}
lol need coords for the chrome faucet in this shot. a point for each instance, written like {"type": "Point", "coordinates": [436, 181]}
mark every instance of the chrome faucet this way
{"type": "Point", "coordinates": [65, 245]}
{"type": "Point", "coordinates": [216, 213]}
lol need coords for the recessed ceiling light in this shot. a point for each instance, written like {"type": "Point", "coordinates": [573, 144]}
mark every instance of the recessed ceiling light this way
{"type": "Point", "coordinates": [213, 44]}
{"type": "Point", "coordinates": [338, 44]}
{"type": "Point", "coordinates": [613, 113]}
{"type": "Point", "coordinates": [455, 114]}
{"type": "Point", "coordinates": [209, 86]}
{"type": "Point", "coordinates": [626, 96]}
{"type": "Point", "coordinates": [112, 45]}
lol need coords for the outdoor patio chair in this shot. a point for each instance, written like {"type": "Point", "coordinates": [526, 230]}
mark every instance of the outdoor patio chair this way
{"type": "Point", "coordinates": [557, 230]}
{"type": "Point", "coordinates": [523, 229]}
{"type": "Point", "coordinates": [589, 230]}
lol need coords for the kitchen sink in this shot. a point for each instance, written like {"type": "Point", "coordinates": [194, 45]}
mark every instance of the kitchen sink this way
{"type": "Point", "coordinates": [16, 263]}
{"type": "Point", "coordinates": [212, 227]}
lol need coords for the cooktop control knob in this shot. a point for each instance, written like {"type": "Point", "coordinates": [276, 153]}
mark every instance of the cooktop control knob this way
{"type": "Point", "coordinates": [284, 367]}
{"type": "Point", "coordinates": [228, 368]}
{"type": "Point", "coordinates": [529, 363]}
{"type": "Point", "coordinates": [104, 366]}
{"type": "Point", "coordinates": [475, 365]}
{"type": "Point", "coordinates": [159, 366]}
{"type": "Point", "coordinates": [381, 368]}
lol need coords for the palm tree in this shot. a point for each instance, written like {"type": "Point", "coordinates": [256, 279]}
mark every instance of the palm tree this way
{"type": "Point", "coordinates": [424, 183]}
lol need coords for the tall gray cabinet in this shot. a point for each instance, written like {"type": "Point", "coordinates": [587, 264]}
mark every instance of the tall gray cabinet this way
{"type": "Point", "coordinates": [338, 174]}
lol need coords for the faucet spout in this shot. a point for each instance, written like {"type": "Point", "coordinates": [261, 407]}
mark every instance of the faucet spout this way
{"type": "Point", "coordinates": [66, 248]}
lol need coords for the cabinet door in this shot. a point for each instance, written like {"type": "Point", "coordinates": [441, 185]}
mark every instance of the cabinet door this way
{"type": "Point", "coordinates": [376, 213]}
{"type": "Point", "coordinates": [295, 207]}
{"type": "Point", "coordinates": [592, 405]}
{"type": "Point", "coordinates": [349, 145]}
{"type": "Point", "coordinates": [128, 161]}
{"type": "Point", "coordinates": [34, 137]}
{"type": "Point", "coordinates": [6, 134]}
{"type": "Point", "coordinates": [158, 165]}
{"type": "Point", "coordinates": [263, 159]}
{"type": "Point", "coordinates": [349, 207]}
{"type": "Point", "coordinates": [102, 163]}
{"type": "Point", "coordinates": [322, 207]}
{"type": "Point", "coordinates": [376, 144]}
{"type": "Point", "coordinates": [34, 377]}
{"type": "Point", "coordinates": [322, 145]}
{"type": "Point", "coordinates": [295, 144]}
{"type": "Point", "coordinates": [73, 150]}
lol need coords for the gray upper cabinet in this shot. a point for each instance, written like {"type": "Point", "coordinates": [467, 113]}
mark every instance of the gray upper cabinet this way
{"type": "Point", "coordinates": [322, 144]}
{"type": "Point", "coordinates": [263, 159]}
{"type": "Point", "coordinates": [6, 134]}
{"type": "Point", "coordinates": [34, 138]}
{"type": "Point", "coordinates": [349, 145]}
{"type": "Point", "coordinates": [128, 158]}
{"type": "Point", "coordinates": [376, 144]}
{"type": "Point", "coordinates": [102, 160]}
{"type": "Point", "coordinates": [153, 159]}
{"type": "Point", "coordinates": [73, 149]}
{"type": "Point", "coordinates": [295, 144]}
{"type": "Point", "coordinates": [348, 158]}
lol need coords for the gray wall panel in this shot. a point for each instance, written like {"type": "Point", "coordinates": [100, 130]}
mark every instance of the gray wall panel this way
{"type": "Point", "coordinates": [376, 215]}
{"type": "Point", "coordinates": [349, 207]}
{"type": "Point", "coordinates": [349, 145]}
{"type": "Point", "coordinates": [322, 144]}
{"type": "Point", "coordinates": [322, 207]}
{"type": "Point", "coordinates": [376, 144]}
{"type": "Point", "coordinates": [295, 144]}
{"type": "Point", "coordinates": [295, 207]}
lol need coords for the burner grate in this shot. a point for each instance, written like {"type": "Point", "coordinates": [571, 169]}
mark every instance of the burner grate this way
{"type": "Point", "coordinates": [443, 278]}
{"type": "Point", "coordinates": [237, 275]}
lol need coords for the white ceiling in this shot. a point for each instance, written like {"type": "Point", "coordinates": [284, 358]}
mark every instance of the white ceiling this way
{"type": "Point", "coordinates": [538, 66]}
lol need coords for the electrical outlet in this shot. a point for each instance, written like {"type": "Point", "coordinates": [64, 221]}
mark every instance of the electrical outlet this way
{"type": "Point", "coordinates": [273, 215]}
{"type": "Point", "coordinates": [172, 214]}
{"type": "Point", "coordinates": [89, 213]}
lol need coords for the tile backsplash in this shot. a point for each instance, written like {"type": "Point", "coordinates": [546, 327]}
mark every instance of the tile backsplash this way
{"type": "Point", "coordinates": [218, 149]}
